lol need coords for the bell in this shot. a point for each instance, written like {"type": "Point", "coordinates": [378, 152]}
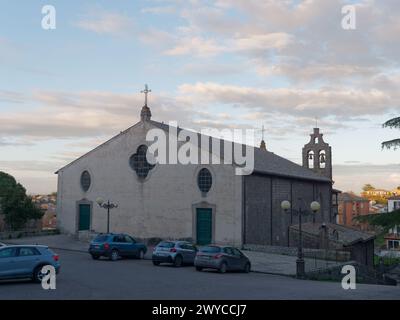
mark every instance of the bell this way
{"type": "Point", "coordinates": [310, 156]}
{"type": "Point", "coordinates": [323, 158]}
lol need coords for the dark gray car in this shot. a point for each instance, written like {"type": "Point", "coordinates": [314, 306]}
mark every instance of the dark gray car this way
{"type": "Point", "coordinates": [221, 258]}
{"type": "Point", "coordinates": [175, 252]}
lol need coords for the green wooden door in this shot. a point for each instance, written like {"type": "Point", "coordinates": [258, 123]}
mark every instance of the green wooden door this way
{"type": "Point", "coordinates": [84, 217]}
{"type": "Point", "coordinates": [204, 226]}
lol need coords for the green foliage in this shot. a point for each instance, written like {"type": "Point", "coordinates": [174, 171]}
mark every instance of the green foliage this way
{"type": "Point", "coordinates": [16, 206]}
{"type": "Point", "coordinates": [387, 261]}
{"type": "Point", "coordinates": [395, 143]}
{"type": "Point", "coordinates": [385, 220]}
{"type": "Point", "coordinates": [368, 187]}
{"type": "Point", "coordinates": [392, 123]}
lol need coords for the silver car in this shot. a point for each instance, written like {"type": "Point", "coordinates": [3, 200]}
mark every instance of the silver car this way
{"type": "Point", "coordinates": [221, 258]}
{"type": "Point", "coordinates": [176, 252]}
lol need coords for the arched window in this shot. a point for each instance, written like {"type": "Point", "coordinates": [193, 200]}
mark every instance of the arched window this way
{"type": "Point", "coordinates": [139, 163]}
{"type": "Point", "coordinates": [204, 180]}
{"type": "Point", "coordinates": [310, 159]}
{"type": "Point", "coordinates": [85, 180]}
{"type": "Point", "coordinates": [322, 159]}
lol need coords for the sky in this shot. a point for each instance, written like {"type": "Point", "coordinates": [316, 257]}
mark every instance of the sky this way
{"type": "Point", "coordinates": [210, 64]}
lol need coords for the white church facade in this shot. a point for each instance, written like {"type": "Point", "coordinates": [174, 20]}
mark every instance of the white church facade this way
{"type": "Point", "coordinates": [207, 203]}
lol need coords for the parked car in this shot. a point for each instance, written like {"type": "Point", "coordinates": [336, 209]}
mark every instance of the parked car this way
{"type": "Point", "coordinates": [176, 252]}
{"type": "Point", "coordinates": [26, 261]}
{"type": "Point", "coordinates": [222, 258]}
{"type": "Point", "coordinates": [114, 246]}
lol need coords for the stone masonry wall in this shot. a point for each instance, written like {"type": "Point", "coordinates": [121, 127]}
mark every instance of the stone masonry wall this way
{"type": "Point", "coordinates": [265, 223]}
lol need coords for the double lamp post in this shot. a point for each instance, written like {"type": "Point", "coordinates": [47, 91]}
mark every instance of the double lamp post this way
{"type": "Point", "coordinates": [108, 206]}
{"type": "Point", "coordinates": [286, 206]}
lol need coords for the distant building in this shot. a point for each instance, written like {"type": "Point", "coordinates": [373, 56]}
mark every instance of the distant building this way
{"type": "Point", "coordinates": [349, 207]}
{"type": "Point", "coordinates": [396, 192]}
{"type": "Point", "coordinates": [47, 203]}
{"type": "Point", "coordinates": [377, 193]}
{"type": "Point", "coordinates": [393, 203]}
{"type": "Point", "coordinates": [392, 239]}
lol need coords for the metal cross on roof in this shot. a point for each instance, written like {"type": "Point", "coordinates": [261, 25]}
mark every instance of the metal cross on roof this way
{"type": "Point", "coordinates": [146, 92]}
{"type": "Point", "coordinates": [263, 131]}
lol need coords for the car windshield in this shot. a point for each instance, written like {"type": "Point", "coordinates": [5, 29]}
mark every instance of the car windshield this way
{"type": "Point", "coordinates": [210, 249]}
{"type": "Point", "coordinates": [100, 238]}
{"type": "Point", "coordinates": [166, 245]}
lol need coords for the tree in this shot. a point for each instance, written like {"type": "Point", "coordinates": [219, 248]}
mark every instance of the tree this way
{"type": "Point", "coordinates": [385, 220]}
{"type": "Point", "coordinates": [368, 187]}
{"type": "Point", "coordinates": [392, 123]}
{"type": "Point", "coordinates": [16, 206]}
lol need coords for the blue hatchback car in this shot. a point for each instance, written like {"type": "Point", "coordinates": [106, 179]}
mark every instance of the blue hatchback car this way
{"type": "Point", "coordinates": [26, 261]}
{"type": "Point", "coordinates": [114, 246]}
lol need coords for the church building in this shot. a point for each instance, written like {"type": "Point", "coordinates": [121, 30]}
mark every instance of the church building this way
{"type": "Point", "coordinates": [206, 203]}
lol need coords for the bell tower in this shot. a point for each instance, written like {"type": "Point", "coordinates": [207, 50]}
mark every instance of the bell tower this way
{"type": "Point", "coordinates": [317, 155]}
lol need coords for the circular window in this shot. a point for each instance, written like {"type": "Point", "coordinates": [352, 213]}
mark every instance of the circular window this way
{"type": "Point", "coordinates": [204, 180]}
{"type": "Point", "coordinates": [139, 162]}
{"type": "Point", "coordinates": [85, 180]}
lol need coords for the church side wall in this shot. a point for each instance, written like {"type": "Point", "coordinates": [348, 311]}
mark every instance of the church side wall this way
{"type": "Point", "coordinates": [265, 222]}
{"type": "Point", "coordinates": [161, 206]}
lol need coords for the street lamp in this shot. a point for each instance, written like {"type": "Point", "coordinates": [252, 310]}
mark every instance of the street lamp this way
{"type": "Point", "coordinates": [106, 205]}
{"type": "Point", "coordinates": [314, 206]}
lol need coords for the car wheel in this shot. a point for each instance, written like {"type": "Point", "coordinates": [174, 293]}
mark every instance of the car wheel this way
{"type": "Point", "coordinates": [199, 269]}
{"type": "Point", "coordinates": [178, 261]}
{"type": "Point", "coordinates": [222, 267]}
{"type": "Point", "coordinates": [95, 257]}
{"type": "Point", "coordinates": [114, 255]}
{"type": "Point", "coordinates": [38, 275]}
{"type": "Point", "coordinates": [247, 268]}
{"type": "Point", "coordinates": [156, 263]}
{"type": "Point", "coordinates": [140, 255]}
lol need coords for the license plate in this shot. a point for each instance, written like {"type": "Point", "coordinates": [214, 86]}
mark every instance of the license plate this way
{"type": "Point", "coordinates": [97, 247]}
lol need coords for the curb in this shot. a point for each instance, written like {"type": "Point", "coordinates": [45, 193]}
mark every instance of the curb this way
{"type": "Point", "coordinates": [64, 249]}
{"type": "Point", "coordinates": [274, 273]}
{"type": "Point", "coordinates": [81, 251]}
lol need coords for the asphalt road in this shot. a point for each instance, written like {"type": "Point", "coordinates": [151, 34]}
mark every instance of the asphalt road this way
{"type": "Point", "coordinates": [83, 278]}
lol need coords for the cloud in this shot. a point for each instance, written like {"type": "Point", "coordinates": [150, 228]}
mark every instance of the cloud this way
{"type": "Point", "coordinates": [87, 114]}
{"type": "Point", "coordinates": [254, 44]}
{"type": "Point", "coordinates": [301, 41]}
{"type": "Point", "coordinates": [354, 177]}
{"type": "Point", "coordinates": [159, 10]}
{"type": "Point", "coordinates": [11, 96]}
{"type": "Point", "coordinates": [322, 102]}
{"type": "Point", "coordinates": [31, 165]}
{"type": "Point", "coordinates": [104, 22]}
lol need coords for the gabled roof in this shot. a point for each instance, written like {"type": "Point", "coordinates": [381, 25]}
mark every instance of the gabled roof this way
{"type": "Point", "coordinates": [343, 234]}
{"type": "Point", "coordinates": [347, 196]}
{"type": "Point", "coordinates": [265, 162]}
